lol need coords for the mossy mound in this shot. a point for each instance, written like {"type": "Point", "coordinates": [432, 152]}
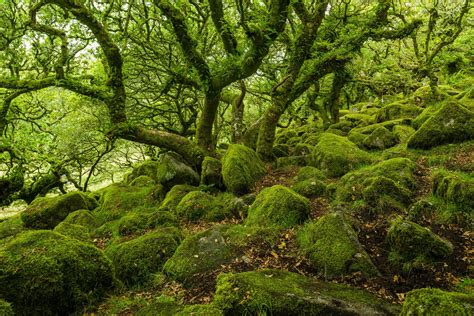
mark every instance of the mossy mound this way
{"type": "Point", "coordinates": [174, 196]}
{"type": "Point", "coordinates": [241, 168]}
{"type": "Point", "coordinates": [309, 173]}
{"type": "Point", "coordinates": [310, 188]}
{"type": "Point", "coordinates": [278, 206]}
{"type": "Point", "coordinates": [332, 247]}
{"type": "Point", "coordinates": [6, 308]}
{"type": "Point", "coordinates": [211, 173]}
{"type": "Point", "coordinates": [397, 110]}
{"type": "Point", "coordinates": [403, 133]}
{"type": "Point", "coordinates": [11, 226]}
{"type": "Point", "coordinates": [142, 181]}
{"type": "Point", "coordinates": [83, 218]}
{"type": "Point", "coordinates": [172, 171]}
{"type": "Point", "coordinates": [380, 138]}
{"type": "Point", "coordinates": [136, 259]}
{"type": "Point", "coordinates": [46, 213]}
{"type": "Point", "coordinates": [118, 200]}
{"type": "Point", "coordinates": [276, 292]}
{"type": "Point", "coordinates": [132, 223]}
{"type": "Point", "coordinates": [384, 185]}
{"type": "Point", "coordinates": [292, 161]}
{"type": "Point", "coordinates": [46, 273]}
{"type": "Point", "coordinates": [200, 310]}
{"type": "Point", "coordinates": [413, 246]}
{"type": "Point", "coordinates": [453, 123]}
{"type": "Point", "coordinates": [455, 187]}
{"type": "Point", "coordinates": [336, 155]}
{"type": "Point", "coordinates": [74, 231]}
{"type": "Point", "coordinates": [148, 168]}
{"type": "Point", "coordinates": [162, 218]}
{"type": "Point", "coordinates": [437, 302]}
{"type": "Point", "coordinates": [201, 252]}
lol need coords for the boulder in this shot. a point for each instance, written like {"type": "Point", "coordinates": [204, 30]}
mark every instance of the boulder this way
{"type": "Point", "coordinates": [46, 273]}
{"type": "Point", "coordinates": [332, 247]}
{"type": "Point", "coordinates": [46, 213]}
{"type": "Point", "coordinates": [336, 155]}
{"type": "Point", "coordinates": [310, 188]}
{"type": "Point", "coordinates": [414, 246]}
{"type": "Point", "coordinates": [277, 292]}
{"type": "Point", "coordinates": [83, 218]}
{"type": "Point", "coordinates": [174, 196]}
{"type": "Point", "coordinates": [455, 187]}
{"type": "Point", "coordinates": [171, 171]}
{"type": "Point", "coordinates": [278, 206]}
{"type": "Point", "coordinates": [385, 185]}
{"type": "Point", "coordinates": [211, 173]}
{"type": "Point", "coordinates": [74, 231]}
{"type": "Point", "coordinates": [380, 138]}
{"type": "Point", "coordinates": [397, 110]}
{"type": "Point", "coordinates": [241, 168]}
{"type": "Point", "coordinates": [148, 168]}
{"type": "Point", "coordinates": [309, 173]}
{"type": "Point", "coordinates": [198, 253]}
{"type": "Point", "coordinates": [137, 259]}
{"type": "Point", "coordinates": [452, 123]}
{"type": "Point", "coordinates": [437, 302]}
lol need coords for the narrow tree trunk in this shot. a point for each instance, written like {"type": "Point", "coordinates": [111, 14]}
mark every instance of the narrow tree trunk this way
{"type": "Point", "coordinates": [238, 107]}
{"type": "Point", "coordinates": [266, 135]}
{"type": "Point", "coordinates": [206, 121]}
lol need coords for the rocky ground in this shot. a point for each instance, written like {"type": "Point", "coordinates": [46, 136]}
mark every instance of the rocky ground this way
{"type": "Point", "coordinates": [372, 216]}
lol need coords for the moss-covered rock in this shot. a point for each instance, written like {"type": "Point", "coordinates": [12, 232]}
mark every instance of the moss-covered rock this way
{"type": "Point", "coordinates": [172, 171]}
{"type": "Point", "coordinates": [292, 161]}
{"type": "Point", "coordinates": [332, 247]}
{"type": "Point", "coordinates": [6, 308]}
{"type": "Point", "coordinates": [380, 138]}
{"type": "Point", "coordinates": [142, 181]}
{"type": "Point", "coordinates": [452, 123]}
{"type": "Point", "coordinates": [46, 213]}
{"type": "Point", "coordinates": [46, 273]}
{"type": "Point", "coordinates": [162, 218]}
{"type": "Point", "coordinates": [385, 184]}
{"type": "Point", "coordinates": [211, 173]}
{"type": "Point", "coordinates": [174, 196]}
{"type": "Point", "coordinates": [301, 149]}
{"type": "Point", "coordinates": [147, 168]}
{"type": "Point", "coordinates": [278, 206]}
{"type": "Point", "coordinates": [336, 155]}
{"type": "Point", "coordinates": [136, 259]}
{"type": "Point", "coordinates": [197, 205]}
{"type": "Point", "coordinates": [200, 310]}
{"type": "Point", "coordinates": [403, 133]}
{"type": "Point", "coordinates": [276, 292]}
{"type": "Point", "coordinates": [397, 110]}
{"type": "Point", "coordinates": [11, 226]}
{"type": "Point", "coordinates": [83, 218]}
{"type": "Point", "coordinates": [309, 173]}
{"type": "Point", "coordinates": [456, 187]}
{"type": "Point", "coordinates": [310, 188]}
{"type": "Point", "coordinates": [241, 168]}
{"type": "Point", "coordinates": [437, 302]}
{"type": "Point", "coordinates": [413, 246]}
{"type": "Point", "coordinates": [201, 252]}
{"type": "Point", "coordinates": [132, 223]}
{"type": "Point", "coordinates": [75, 231]}
{"type": "Point", "coordinates": [117, 200]}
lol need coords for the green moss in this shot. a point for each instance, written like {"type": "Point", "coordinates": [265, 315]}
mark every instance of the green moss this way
{"type": "Point", "coordinates": [426, 114]}
{"type": "Point", "coordinates": [309, 173]}
{"type": "Point", "coordinates": [455, 187]}
{"type": "Point", "coordinates": [242, 235]}
{"type": "Point", "coordinates": [11, 226]}
{"type": "Point", "coordinates": [281, 150]}
{"type": "Point", "coordinates": [332, 247]}
{"type": "Point", "coordinates": [118, 200]}
{"type": "Point", "coordinates": [162, 218]}
{"type": "Point", "coordinates": [453, 123]}
{"type": "Point", "coordinates": [380, 138]}
{"type": "Point", "coordinates": [310, 188]}
{"type": "Point", "coordinates": [420, 210]}
{"type": "Point", "coordinates": [358, 119]}
{"type": "Point", "coordinates": [278, 206]}
{"type": "Point", "coordinates": [241, 168]}
{"type": "Point", "coordinates": [82, 217]}
{"type": "Point", "coordinates": [276, 292]}
{"type": "Point", "coordinates": [171, 171]}
{"type": "Point", "coordinates": [132, 224]}
{"type": "Point", "coordinates": [413, 246]}
{"type": "Point", "coordinates": [148, 168]}
{"type": "Point", "coordinates": [195, 205]}
{"type": "Point", "coordinates": [211, 173]}
{"type": "Point", "coordinates": [336, 155]}
{"type": "Point", "coordinates": [142, 181]}
{"type": "Point", "coordinates": [291, 161]}
{"type": "Point", "coordinates": [403, 132]}
{"type": "Point", "coordinates": [140, 305]}
{"type": "Point", "coordinates": [6, 308]}
{"type": "Point", "coordinates": [198, 253]}
{"type": "Point", "coordinates": [46, 213]}
{"type": "Point", "coordinates": [46, 273]}
{"type": "Point", "coordinates": [74, 231]}
{"type": "Point", "coordinates": [301, 149]}
{"type": "Point", "coordinates": [385, 184]}
{"type": "Point", "coordinates": [397, 110]}
{"type": "Point", "coordinates": [437, 302]}
{"type": "Point", "coordinates": [136, 259]}
{"type": "Point", "coordinates": [174, 196]}
{"type": "Point", "coordinates": [201, 310]}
